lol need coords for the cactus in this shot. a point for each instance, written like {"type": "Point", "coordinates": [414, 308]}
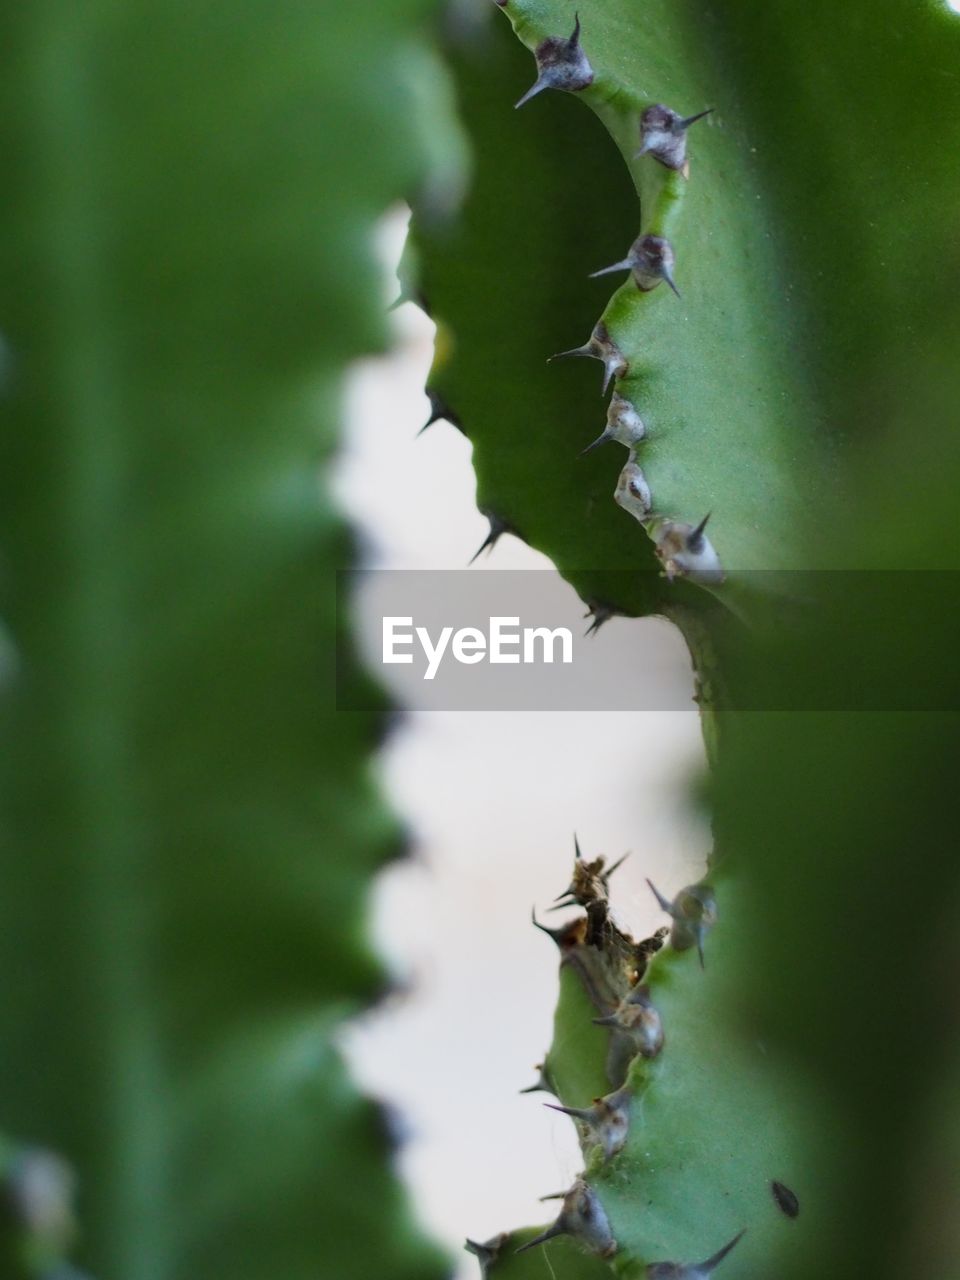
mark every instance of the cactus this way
{"type": "Point", "coordinates": [740, 1144]}
{"type": "Point", "coordinates": [189, 827]}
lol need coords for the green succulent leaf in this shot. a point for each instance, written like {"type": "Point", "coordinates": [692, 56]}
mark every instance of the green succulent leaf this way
{"type": "Point", "coordinates": [803, 390]}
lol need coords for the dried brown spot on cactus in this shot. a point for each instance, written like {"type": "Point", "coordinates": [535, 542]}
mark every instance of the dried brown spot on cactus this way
{"type": "Point", "coordinates": [590, 883]}
{"type": "Point", "coordinates": [786, 1200]}
{"type": "Point", "coordinates": [632, 492]}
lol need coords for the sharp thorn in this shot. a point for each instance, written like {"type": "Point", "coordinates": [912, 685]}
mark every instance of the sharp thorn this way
{"type": "Point", "coordinates": [555, 1230]}
{"type": "Point", "coordinates": [577, 853]}
{"type": "Point", "coordinates": [538, 86]}
{"type": "Point", "coordinates": [543, 928]}
{"type": "Point", "coordinates": [568, 901]}
{"type": "Point", "coordinates": [670, 281]}
{"type": "Point", "coordinates": [625, 265]}
{"type": "Point", "coordinates": [610, 1020]}
{"type": "Point", "coordinates": [488, 541]}
{"type": "Point", "coordinates": [619, 863]}
{"type": "Point", "coordinates": [601, 439]}
{"type": "Point", "coordinates": [575, 37]}
{"type": "Point", "coordinates": [578, 1113]}
{"type": "Point", "coordinates": [574, 351]}
{"type": "Point", "coordinates": [695, 537]}
{"type": "Point", "coordinates": [718, 1257]}
{"type": "Point", "coordinates": [685, 124]}
{"type": "Point", "coordinates": [667, 906]}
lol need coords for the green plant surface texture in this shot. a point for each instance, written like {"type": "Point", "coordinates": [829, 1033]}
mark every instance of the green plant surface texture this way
{"type": "Point", "coordinates": [767, 373]}
{"type": "Point", "coordinates": [806, 402]}
{"type": "Point", "coordinates": [189, 827]}
{"type": "Point", "coordinates": [715, 1118]}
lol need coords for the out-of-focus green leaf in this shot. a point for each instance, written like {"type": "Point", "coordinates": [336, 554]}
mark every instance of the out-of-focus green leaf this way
{"type": "Point", "coordinates": [189, 827]}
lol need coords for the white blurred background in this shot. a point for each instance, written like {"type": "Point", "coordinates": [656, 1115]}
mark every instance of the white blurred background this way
{"type": "Point", "coordinates": [493, 800]}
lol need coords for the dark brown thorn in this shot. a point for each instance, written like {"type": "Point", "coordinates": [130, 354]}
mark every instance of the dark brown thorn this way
{"type": "Point", "coordinates": [695, 536]}
{"type": "Point", "coordinates": [556, 934]}
{"type": "Point", "coordinates": [554, 1195]}
{"type": "Point", "coordinates": [543, 1084]}
{"type": "Point", "coordinates": [703, 964]}
{"type": "Point", "coordinates": [689, 120]}
{"type": "Point", "coordinates": [601, 439]}
{"type": "Point", "coordinates": [487, 1253]}
{"type": "Point", "coordinates": [583, 351]}
{"type": "Point", "coordinates": [578, 1113]}
{"type": "Point", "coordinates": [543, 1237]}
{"type": "Point", "coordinates": [665, 905]}
{"type": "Point", "coordinates": [575, 37]}
{"type": "Point", "coordinates": [577, 853]}
{"type": "Point", "coordinates": [542, 82]}
{"type": "Point", "coordinates": [668, 276]}
{"type": "Point", "coordinates": [626, 264]}
{"type": "Point", "coordinates": [568, 901]}
{"type": "Point", "coordinates": [712, 1263]}
{"type": "Point", "coordinates": [610, 1020]}
{"type": "Point", "coordinates": [619, 863]}
{"type": "Point", "coordinates": [600, 613]}
{"type": "Point", "coordinates": [440, 411]}
{"type": "Point", "coordinates": [498, 527]}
